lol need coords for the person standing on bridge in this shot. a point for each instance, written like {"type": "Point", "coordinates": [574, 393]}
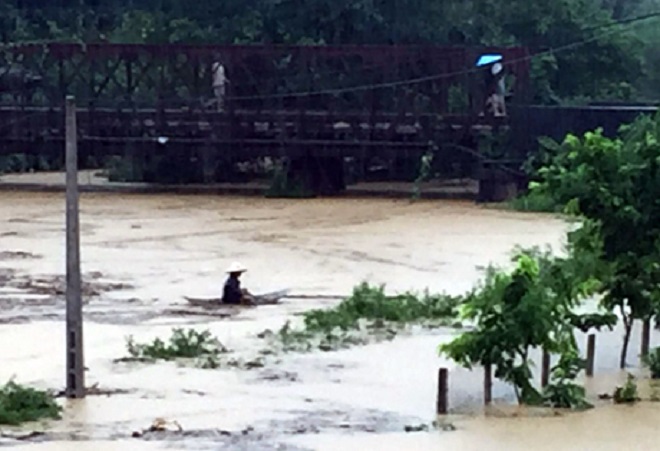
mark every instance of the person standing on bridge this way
{"type": "Point", "coordinates": [232, 293]}
{"type": "Point", "coordinates": [220, 82]}
{"type": "Point", "coordinates": [495, 84]}
{"type": "Point", "coordinates": [497, 88]}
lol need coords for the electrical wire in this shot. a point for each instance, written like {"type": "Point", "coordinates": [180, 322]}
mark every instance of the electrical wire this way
{"type": "Point", "coordinates": [435, 77]}
{"type": "Point", "coordinates": [399, 83]}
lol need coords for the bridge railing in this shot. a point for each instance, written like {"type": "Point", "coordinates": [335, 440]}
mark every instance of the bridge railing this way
{"type": "Point", "coordinates": [426, 79]}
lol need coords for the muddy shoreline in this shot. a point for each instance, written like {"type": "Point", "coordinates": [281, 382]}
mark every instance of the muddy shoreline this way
{"type": "Point", "coordinates": [90, 182]}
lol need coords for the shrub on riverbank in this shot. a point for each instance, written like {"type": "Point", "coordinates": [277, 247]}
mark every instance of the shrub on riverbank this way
{"type": "Point", "coordinates": [19, 404]}
{"type": "Point", "coordinates": [535, 202]}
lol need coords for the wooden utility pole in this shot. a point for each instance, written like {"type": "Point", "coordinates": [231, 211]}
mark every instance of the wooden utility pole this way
{"type": "Point", "coordinates": [75, 367]}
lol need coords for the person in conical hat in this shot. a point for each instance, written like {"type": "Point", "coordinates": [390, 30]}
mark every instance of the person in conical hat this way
{"type": "Point", "coordinates": [232, 292]}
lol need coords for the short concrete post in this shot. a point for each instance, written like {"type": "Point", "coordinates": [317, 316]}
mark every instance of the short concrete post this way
{"type": "Point", "coordinates": [443, 389]}
{"type": "Point", "coordinates": [545, 369]}
{"type": "Point", "coordinates": [646, 337]}
{"type": "Point", "coordinates": [591, 354]}
{"type": "Point", "coordinates": [488, 385]}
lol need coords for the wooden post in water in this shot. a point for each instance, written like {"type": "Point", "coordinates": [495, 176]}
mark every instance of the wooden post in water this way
{"type": "Point", "coordinates": [75, 377]}
{"type": "Point", "coordinates": [646, 337]}
{"type": "Point", "coordinates": [591, 354]}
{"type": "Point", "coordinates": [545, 369]}
{"type": "Point", "coordinates": [443, 390]}
{"type": "Point", "coordinates": [488, 384]}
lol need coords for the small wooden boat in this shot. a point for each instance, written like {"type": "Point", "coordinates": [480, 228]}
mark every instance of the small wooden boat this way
{"type": "Point", "coordinates": [216, 303]}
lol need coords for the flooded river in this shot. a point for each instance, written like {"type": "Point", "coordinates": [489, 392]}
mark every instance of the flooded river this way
{"type": "Point", "coordinates": [141, 254]}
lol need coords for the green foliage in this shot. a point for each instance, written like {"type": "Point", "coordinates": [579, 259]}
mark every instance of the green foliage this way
{"type": "Point", "coordinates": [19, 404]}
{"type": "Point", "coordinates": [181, 344]}
{"type": "Point", "coordinates": [652, 360]}
{"type": "Point", "coordinates": [537, 198]}
{"type": "Point", "coordinates": [612, 186]}
{"type": "Point", "coordinates": [371, 303]}
{"type": "Point", "coordinates": [498, 309]}
{"type": "Point", "coordinates": [535, 202]}
{"type": "Point", "coordinates": [367, 315]}
{"type": "Point", "coordinates": [513, 313]}
{"type": "Point", "coordinates": [628, 393]}
{"type": "Point", "coordinates": [290, 339]}
{"type": "Point", "coordinates": [588, 321]}
{"type": "Point", "coordinates": [562, 392]}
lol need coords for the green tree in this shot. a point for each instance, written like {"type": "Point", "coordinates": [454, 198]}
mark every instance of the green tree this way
{"type": "Point", "coordinates": [531, 307]}
{"type": "Point", "coordinates": [613, 187]}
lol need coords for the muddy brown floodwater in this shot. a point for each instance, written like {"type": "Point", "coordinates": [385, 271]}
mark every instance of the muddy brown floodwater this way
{"type": "Point", "coordinates": [141, 254]}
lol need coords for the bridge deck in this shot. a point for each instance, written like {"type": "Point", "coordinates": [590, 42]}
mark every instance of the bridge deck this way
{"type": "Point", "coordinates": [249, 132]}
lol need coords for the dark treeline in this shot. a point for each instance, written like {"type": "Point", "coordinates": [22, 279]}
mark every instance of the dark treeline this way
{"type": "Point", "coordinates": [618, 62]}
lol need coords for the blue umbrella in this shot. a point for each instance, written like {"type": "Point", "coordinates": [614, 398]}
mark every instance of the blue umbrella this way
{"type": "Point", "coordinates": [485, 60]}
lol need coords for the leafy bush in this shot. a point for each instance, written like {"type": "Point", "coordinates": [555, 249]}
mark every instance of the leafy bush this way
{"type": "Point", "coordinates": [562, 392]}
{"type": "Point", "coordinates": [628, 393]}
{"type": "Point", "coordinates": [652, 360]}
{"type": "Point", "coordinates": [536, 202]}
{"type": "Point", "coordinates": [19, 404]}
{"type": "Point", "coordinates": [182, 344]}
{"type": "Point", "coordinates": [611, 186]}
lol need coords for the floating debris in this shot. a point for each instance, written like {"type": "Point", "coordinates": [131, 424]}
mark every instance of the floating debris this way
{"type": "Point", "coordinates": [159, 425]}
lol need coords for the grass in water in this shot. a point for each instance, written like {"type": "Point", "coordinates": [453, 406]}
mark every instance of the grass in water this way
{"type": "Point", "coordinates": [201, 349]}
{"type": "Point", "coordinates": [182, 344]}
{"type": "Point", "coordinates": [367, 315]}
{"type": "Point", "coordinates": [19, 404]}
{"type": "Point", "coordinates": [371, 303]}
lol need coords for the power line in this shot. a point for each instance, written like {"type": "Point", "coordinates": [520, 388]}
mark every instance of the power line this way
{"type": "Point", "coordinates": [414, 81]}
{"type": "Point", "coordinates": [624, 21]}
{"type": "Point", "coordinates": [404, 82]}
